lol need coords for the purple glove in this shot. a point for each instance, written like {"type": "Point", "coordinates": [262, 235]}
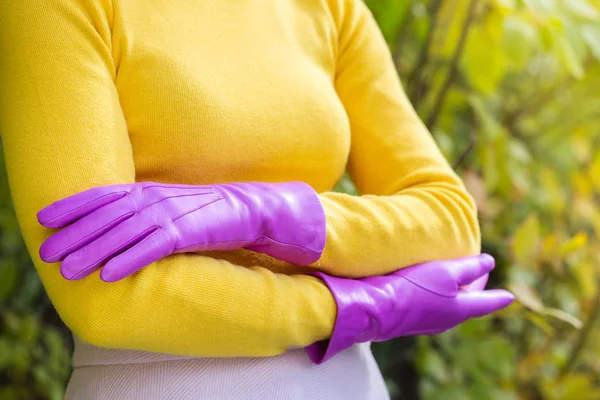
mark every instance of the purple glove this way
{"type": "Point", "coordinates": [127, 227]}
{"type": "Point", "coordinates": [424, 299]}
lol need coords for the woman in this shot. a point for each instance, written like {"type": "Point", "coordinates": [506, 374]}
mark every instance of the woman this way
{"type": "Point", "coordinates": [97, 93]}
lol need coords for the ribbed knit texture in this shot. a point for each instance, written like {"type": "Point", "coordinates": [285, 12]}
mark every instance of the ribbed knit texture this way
{"type": "Point", "coordinates": [96, 92]}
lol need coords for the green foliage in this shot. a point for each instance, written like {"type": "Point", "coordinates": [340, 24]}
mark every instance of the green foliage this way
{"type": "Point", "coordinates": [509, 90]}
{"type": "Point", "coordinates": [34, 350]}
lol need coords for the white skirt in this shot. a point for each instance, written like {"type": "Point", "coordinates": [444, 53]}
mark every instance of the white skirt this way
{"type": "Point", "coordinates": [107, 374]}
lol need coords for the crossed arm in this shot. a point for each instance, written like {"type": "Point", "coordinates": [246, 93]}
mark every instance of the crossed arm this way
{"type": "Point", "coordinates": [63, 132]}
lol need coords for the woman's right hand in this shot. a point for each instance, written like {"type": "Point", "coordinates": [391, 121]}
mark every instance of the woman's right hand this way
{"type": "Point", "coordinates": [423, 299]}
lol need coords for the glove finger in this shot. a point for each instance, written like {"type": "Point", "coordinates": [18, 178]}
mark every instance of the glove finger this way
{"type": "Point", "coordinates": [477, 304]}
{"type": "Point", "coordinates": [69, 209]}
{"type": "Point", "coordinates": [84, 231]}
{"type": "Point", "coordinates": [87, 259]}
{"type": "Point", "coordinates": [469, 269]}
{"type": "Point", "coordinates": [478, 284]}
{"type": "Point", "coordinates": [152, 248]}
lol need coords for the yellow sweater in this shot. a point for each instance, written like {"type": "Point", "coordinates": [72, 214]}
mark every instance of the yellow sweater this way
{"type": "Point", "coordinates": [97, 92]}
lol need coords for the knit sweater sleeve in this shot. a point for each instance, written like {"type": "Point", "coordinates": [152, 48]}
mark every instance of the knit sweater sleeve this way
{"type": "Point", "coordinates": [63, 131]}
{"type": "Point", "coordinates": [413, 207]}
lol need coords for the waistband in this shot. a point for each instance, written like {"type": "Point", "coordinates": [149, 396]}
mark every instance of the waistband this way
{"type": "Point", "coordinates": [85, 355]}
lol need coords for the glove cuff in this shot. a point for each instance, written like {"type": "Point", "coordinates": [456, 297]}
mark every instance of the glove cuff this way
{"type": "Point", "coordinates": [352, 322]}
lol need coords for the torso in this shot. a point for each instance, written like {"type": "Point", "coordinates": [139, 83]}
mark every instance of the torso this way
{"type": "Point", "coordinates": [244, 93]}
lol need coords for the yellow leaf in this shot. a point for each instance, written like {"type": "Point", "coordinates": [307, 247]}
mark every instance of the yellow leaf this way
{"type": "Point", "coordinates": [587, 278]}
{"type": "Point", "coordinates": [553, 190]}
{"type": "Point", "coordinates": [581, 184]}
{"type": "Point", "coordinates": [596, 222]}
{"type": "Point", "coordinates": [504, 5]}
{"type": "Point", "coordinates": [584, 207]}
{"type": "Point", "coordinates": [490, 172]}
{"type": "Point", "coordinates": [452, 17]}
{"type": "Point", "coordinates": [549, 245]}
{"type": "Point", "coordinates": [482, 61]}
{"type": "Point", "coordinates": [573, 244]}
{"type": "Point", "coordinates": [580, 143]}
{"type": "Point", "coordinates": [591, 34]}
{"type": "Point", "coordinates": [569, 57]}
{"type": "Point", "coordinates": [574, 386]}
{"type": "Point", "coordinates": [526, 239]}
{"type": "Point", "coordinates": [582, 9]}
{"type": "Point", "coordinates": [594, 172]}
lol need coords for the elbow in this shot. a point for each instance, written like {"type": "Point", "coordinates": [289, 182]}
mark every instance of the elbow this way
{"type": "Point", "coordinates": [90, 331]}
{"type": "Point", "coordinates": [464, 233]}
{"type": "Point", "coordinates": [90, 326]}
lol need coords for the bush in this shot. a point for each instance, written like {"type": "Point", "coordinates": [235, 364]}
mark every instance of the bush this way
{"type": "Point", "coordinates": [508, 89]}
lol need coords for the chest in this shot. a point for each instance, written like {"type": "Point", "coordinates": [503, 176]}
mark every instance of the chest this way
{"type": "Point", "coordinates": [231, 90]}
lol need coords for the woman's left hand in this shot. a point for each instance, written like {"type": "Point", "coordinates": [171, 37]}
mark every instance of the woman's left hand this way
{"type": "Point", "coordinates": [127, 227]}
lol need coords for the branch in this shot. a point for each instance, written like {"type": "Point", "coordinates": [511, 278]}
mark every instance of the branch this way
{"type": "Point", "coordinates": [470, 145]}
{"type": "Point", "coordinates": [582, 338]}
{"type": "Point", "coordinates": [401, 34]}
{"type": "Point", "coordinates": [453, 72]}
{"type": "Point", "coordinates": [415, 78]}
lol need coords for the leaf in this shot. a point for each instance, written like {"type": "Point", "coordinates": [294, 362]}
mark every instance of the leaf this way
{"type": "Point", "coordinates": [596, 222]}
{"type": "Point", "coordinates": [574, 386]}
{"type": "Point", "coordinates": [519, 41]}
{"type": "Point", "coordinates": [581, 9]}
{"type": "Point", "coordinates": [573, 244]}
{"type": "Point", "coordinates": [563, 316]}
{"type": "Point", "coordinates": [506, 5]}
{"type": "Point", "coordinates": [518, 151]}
{"type": "Point", "coordinates": [526, 239]}
{"type": "Point", "coordinates": [552, 189]}
{"type": "Point", "coordinates": [30, 328]}
{"type": "Point", "coordinates": [483, 64]}
{"type": "Point", "coordinates": [569, 58]}
{"type": "Point", "coordinates": [594, 172]}
{"type": "Point", "coordinates": [581, 184]}
{"type": "Point", "coordinates": [587, 278]}
{"type": "Point", "coordinates": [444, 142]}
{"type": "Point", "coordinates": [5, 353]}
{"type": "Point", "coordinates": [591, 35]}
{"type": "Point", "coordinates": [497, 355]}
{"type": "Point", "coordinates": [9, 273]}
{"type": "Point", "coordinates": [345, 185]}
{"type": "Point", "coordinates": [526, 296]}
{"type": "Point", "coordinates": [540, 6]}
{"type": "Point", "coordinates": [452, 17]}
{"type": "Point", "coordinates": [434, 366]}
{"type": "Point", "coordinates": [489, 123]}
{"type": "Point", "coordinates": [541, 323]}
{"type": "Point", "coordinates": [450, 392]}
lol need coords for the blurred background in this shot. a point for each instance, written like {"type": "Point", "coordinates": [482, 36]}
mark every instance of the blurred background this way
{"type": "Point", "coordinates": [510, 89]}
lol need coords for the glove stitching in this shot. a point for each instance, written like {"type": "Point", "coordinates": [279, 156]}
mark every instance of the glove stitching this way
{"type": "Point", "coordinates": [112, 252]}
{"type": "Point", "coordinates": [117, 220]}
{"type": "Point", "coordinates": [429, 290]}
{"type": "Point", "coordinates": [86, 204]}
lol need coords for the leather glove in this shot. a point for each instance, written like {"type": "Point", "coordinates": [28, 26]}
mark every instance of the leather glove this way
{"type": "Point", "coordinates": [424, 299]}
{"type": "Point", "coordinates": [127, 227]}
